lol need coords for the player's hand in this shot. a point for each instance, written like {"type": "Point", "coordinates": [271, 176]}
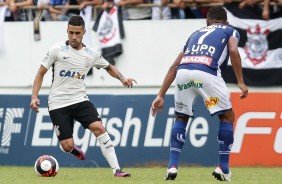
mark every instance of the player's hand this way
{"type": "Point", "coordinates": [157, 105]}
{"type": "Point", "coordinates": [244, 90]}
{"type": "Point", "coordinates": [128, 82]}
{"type": "Point", "coordinates": [34, 104]}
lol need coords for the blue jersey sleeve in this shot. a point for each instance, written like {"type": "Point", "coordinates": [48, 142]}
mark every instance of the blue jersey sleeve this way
{"type": "Point", "coordinates": [233, 33]}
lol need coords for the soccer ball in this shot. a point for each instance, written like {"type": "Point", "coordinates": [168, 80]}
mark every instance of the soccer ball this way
{"type": "Point", "coordinates": [46, 166]}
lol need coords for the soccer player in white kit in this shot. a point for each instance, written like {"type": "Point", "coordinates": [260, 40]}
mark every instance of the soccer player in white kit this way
{"type": "Point", "coordinates": [197, 72]}
{"type": "Point", "coordinates": [68, 101]}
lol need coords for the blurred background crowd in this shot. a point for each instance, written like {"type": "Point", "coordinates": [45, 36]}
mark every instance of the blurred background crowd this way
{"type": "Point", "coordinates": [62, 10]}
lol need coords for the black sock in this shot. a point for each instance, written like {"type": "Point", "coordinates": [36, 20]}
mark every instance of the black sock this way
{"type": "Point", "coordinates": [74, 151]}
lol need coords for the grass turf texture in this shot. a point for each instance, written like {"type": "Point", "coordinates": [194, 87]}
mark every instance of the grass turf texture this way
{"type": "Point", "coordinates": [195, 175]}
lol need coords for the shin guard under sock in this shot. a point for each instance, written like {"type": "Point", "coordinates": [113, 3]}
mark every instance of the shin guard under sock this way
{"type": "Point", "coordinates": [225, 140]}
{"type": "Point", "coordinates": [176, 142]}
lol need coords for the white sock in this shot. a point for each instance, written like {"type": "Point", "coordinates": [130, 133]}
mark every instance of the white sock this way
{"type": "Point", "coordinates": [108, 150]}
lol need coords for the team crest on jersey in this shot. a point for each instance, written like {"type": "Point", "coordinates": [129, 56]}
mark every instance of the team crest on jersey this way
{"type": "Point", "coordinates": [257, 45]}
{"type": "Point", "coordinates": [87, 62]}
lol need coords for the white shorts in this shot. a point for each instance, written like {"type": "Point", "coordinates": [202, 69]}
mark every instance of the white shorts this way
{"type": "Point", "coordinates": [192, 83]}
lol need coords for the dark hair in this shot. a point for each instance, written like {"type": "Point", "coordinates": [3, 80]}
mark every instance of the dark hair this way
{"type": "Point", "coordinates": [76, 20]}
{"type": "Point", "coordinates": [217, 13]}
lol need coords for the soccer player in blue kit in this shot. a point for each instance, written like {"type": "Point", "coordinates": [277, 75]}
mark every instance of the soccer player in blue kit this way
{"type": "Point", "coordinates": [196, 72]}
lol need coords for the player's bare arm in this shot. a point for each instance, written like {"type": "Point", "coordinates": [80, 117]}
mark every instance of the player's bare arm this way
{"type": "Point", "coordinates": [35, 102]}
{"type": "Point", "coordinates": [158, 103]}
{"type": "Point", "coordinates": [237, 65]}
{"type": "Point", "coordinates": [114, 72]}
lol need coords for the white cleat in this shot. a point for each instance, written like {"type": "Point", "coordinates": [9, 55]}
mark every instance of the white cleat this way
{"type": "Point", "coordinates": [219, 175]}
{"type": "Point", "coordinates": [171, 174]}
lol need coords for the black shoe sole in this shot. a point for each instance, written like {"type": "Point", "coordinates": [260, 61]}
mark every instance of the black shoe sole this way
{"type": "Point", "coordinates": [171, 176]}
{"type": "Point", "coordinates": [217, 176]}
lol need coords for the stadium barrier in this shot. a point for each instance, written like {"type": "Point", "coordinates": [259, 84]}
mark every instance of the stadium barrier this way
{"type": "Point", "coordinates": [188, 3]}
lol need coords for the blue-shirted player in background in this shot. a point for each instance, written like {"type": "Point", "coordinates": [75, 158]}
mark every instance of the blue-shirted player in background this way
{"type": "Point", "coordinates": [197, 72]}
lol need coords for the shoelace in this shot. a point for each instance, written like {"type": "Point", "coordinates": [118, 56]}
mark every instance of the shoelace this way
{"type": "Point", "coordinates": [119, 170]}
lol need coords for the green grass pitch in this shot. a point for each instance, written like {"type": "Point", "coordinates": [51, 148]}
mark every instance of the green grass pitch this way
{"type": "Point", "coordinates": [152, 175]}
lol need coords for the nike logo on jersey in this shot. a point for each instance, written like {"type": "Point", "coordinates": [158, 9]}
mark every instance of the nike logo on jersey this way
{"type": "Point", "coordinates": [64, 57]}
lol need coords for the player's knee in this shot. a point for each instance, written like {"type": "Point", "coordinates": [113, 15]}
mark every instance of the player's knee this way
{"type": "Point", "coordinates": [182, 118]}
{"type": "Point", "coordinates": [97, 128]}
{"type": "Point", "coordinates": [65, 146]}
{"type": "Point", "coordinates": [227, 116]}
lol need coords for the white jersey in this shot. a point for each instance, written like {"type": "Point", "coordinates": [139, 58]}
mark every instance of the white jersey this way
{"type": "Point", "coordinates": [70, 67]}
